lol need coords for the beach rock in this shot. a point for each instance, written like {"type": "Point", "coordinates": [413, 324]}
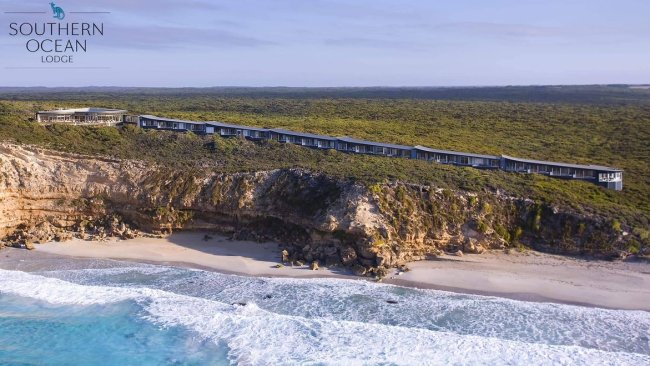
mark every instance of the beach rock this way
{"type": "Point", "coordinates": [404, 268]}
{"type": "Point", "coordinates": [381, 272]}
{"type": "Point", "coordinates": [285, 256]}
{"type": "Point", "coordinates": [314, 266]}
{"type": "Point", "coordinates": [29, 245]}
{"type": "Point", "coordinates": [472, 245]}
{"type": "Point", "coordinates": [469, 246]}
{"type": "Point", "coordinates": [41, 234]}
{"type": "Point", "coordinates": [348, 256]}
{"type": "Point", "coordinates": [63, 236]}
{"type": "Point", "coordinates": [380, 261]}
{"type": "Point", "coordinates": [459, 253]}
{"type": "Point", "coordinates": [367, 251]}
{"type": "Point", "coordinates": [129, 234]}
{"type": "Point", "coordinates": [359, 270]}
{"type": "Point", "coordinates": [279, 265]}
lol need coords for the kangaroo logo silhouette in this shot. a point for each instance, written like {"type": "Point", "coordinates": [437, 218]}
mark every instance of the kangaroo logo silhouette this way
{"type": "Point", "coordinates": [57, 11]}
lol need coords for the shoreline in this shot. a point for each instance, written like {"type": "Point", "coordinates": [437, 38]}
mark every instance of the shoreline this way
{"type": "Point", "coordinates": [529, 276]}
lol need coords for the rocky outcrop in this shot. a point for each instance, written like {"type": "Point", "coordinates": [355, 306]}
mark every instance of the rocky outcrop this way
{"type": "Point", "coordinates": [47, 195]}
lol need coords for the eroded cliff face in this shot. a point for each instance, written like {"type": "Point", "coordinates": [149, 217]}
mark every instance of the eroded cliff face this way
{"type": "Point", "coordinates": [47, 195]}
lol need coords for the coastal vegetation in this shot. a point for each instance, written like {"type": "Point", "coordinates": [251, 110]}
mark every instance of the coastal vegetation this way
{"type": "Point", "coordinates": [593, 126]}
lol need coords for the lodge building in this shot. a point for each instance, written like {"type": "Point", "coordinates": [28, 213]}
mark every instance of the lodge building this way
{"type": "Point", "coordinates": [349, 144]}
{"type": "Point", "coordinates": [82, 116]}
{"type": "Point", "coordinates": [457, 158]}
{"type": "Point", "coordinates": [303, 139]}
{"type": "Point", "coordinates": [611, 178]}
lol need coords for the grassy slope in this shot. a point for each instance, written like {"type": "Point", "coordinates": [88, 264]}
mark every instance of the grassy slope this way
{"type": "Point", "coordinates": [608, 134]}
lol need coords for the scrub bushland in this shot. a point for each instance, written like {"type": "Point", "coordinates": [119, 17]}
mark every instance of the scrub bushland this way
{"type": "Point", "coordinates": [611, 130]}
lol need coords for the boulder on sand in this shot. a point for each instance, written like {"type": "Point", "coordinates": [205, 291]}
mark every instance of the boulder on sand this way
{"type": "Point", "coordinates": [285, 256]}
{"type": "Point", "coordinates": [314, 266]}
{"type": "Point", "coordinates": [359, 270]}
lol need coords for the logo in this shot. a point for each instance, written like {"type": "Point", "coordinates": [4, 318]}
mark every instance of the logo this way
{"type": "Point", "coordinates": [57, 42]}
{"type": "Point", "coordinates": [57, 11]}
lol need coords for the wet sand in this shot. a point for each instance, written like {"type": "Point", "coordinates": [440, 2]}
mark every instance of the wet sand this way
{"type": "Point", "coordinates": [529, 276]}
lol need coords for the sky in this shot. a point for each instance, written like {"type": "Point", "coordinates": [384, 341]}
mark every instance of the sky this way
{"type": "Point", "coordinates": [201, 43]}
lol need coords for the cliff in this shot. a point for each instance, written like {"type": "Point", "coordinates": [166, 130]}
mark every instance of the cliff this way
{"type": "Point", "coordinates": [47, 195]}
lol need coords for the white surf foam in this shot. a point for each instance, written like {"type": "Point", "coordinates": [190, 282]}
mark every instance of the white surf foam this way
{"type": "Point", "coordinates": [258, 337]}
{"type": "Point", "coordinates": [358, 300]}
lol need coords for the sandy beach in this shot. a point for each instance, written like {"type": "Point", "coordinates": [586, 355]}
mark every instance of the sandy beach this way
{"type": "Point", "coordinates": [526, 276]}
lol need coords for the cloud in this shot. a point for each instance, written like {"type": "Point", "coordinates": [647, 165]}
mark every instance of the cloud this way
{"type": "Point", "coordinates": [368, 42]}
{"type": "Point", "coordinates": [503, 29]}
{"type": "Point", "coordinates": [157, 6]}
{"type": "Point", "coordinates": [163, 37]}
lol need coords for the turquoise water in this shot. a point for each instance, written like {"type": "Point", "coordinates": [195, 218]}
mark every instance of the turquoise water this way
{"type": "Point", "coordinates": [117, 313]}
{"type": "Point", "coordinates": [39, 333]}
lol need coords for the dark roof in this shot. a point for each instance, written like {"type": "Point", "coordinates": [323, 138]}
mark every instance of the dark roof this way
{"type": "Point", "coordinates": [363, 142]}
{"type": "Point", "coordinates": [170, 119]}
{"type": "Point", "coordinates": [349, 140]}
{"type": "Point", "coordinates": [303, 134]}
{"type": "Point", "coordinates": [228, 125]}
{"type": "Point", "coordinates": [563, 165]}
{"type": "Point", "coordinates": [449, 152]}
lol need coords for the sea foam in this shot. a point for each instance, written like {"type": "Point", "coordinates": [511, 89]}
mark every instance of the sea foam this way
{"type": "Point", "coordinates": [258, 336]}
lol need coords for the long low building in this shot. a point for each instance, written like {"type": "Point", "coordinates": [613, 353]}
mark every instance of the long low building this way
{"type": "Point", "coordinates": [303, 139]}
{"type": "Point", "coordinates": [160, 123]}
{"type": "Point", "coordinates": [82, 116]}
{"type": "Point", "coordinates": [353, 145]}
{"type": "Point", "coordinates": [457, 158]}
{"type": "Point", "coordinates": [229, 130]}
{"type": "Point", "coordinates": [611, 178]}
{"type": "Point", "coordinates": [607, 177]}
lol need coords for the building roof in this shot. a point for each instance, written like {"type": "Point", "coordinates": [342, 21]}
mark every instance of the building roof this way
{"type": "Point", "coordinates": [563, 165]}
{"type": "Point", "coordinates": [83, 110]}
{"type": "Point", "coordinates": [363, 142]}
{"type": "Point", "coordinates": [228, 125]}
{"type": "Point", "coordinates": [449, 152]}
{"type": "Point", "coordinates": [303, 134]}
{"type": "Point", "coordinates": [344, 139]}
{"type": "Point", "coordinates": [171, 119]}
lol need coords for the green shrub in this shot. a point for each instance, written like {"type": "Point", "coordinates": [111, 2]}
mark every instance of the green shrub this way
{"type": "Point", "coordinates": [474, 126]}
{"type": "Point", "coordinates": [482, 226]}
{"type": "Point", "coordinates": [516, 234]}
{"type": "Point", "coordinates": [486, 208]}
{"type": "Point", "coordinates": [634, 247]}
{"type": "Point", "coordinates": [502, 232]}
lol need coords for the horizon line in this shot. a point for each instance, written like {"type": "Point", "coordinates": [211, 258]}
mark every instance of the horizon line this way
{"type": "Point", "coordinates": [328, 87]}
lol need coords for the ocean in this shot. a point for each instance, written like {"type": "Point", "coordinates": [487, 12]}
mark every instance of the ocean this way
{"type": "Point", "coordinates": [105, 312]}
